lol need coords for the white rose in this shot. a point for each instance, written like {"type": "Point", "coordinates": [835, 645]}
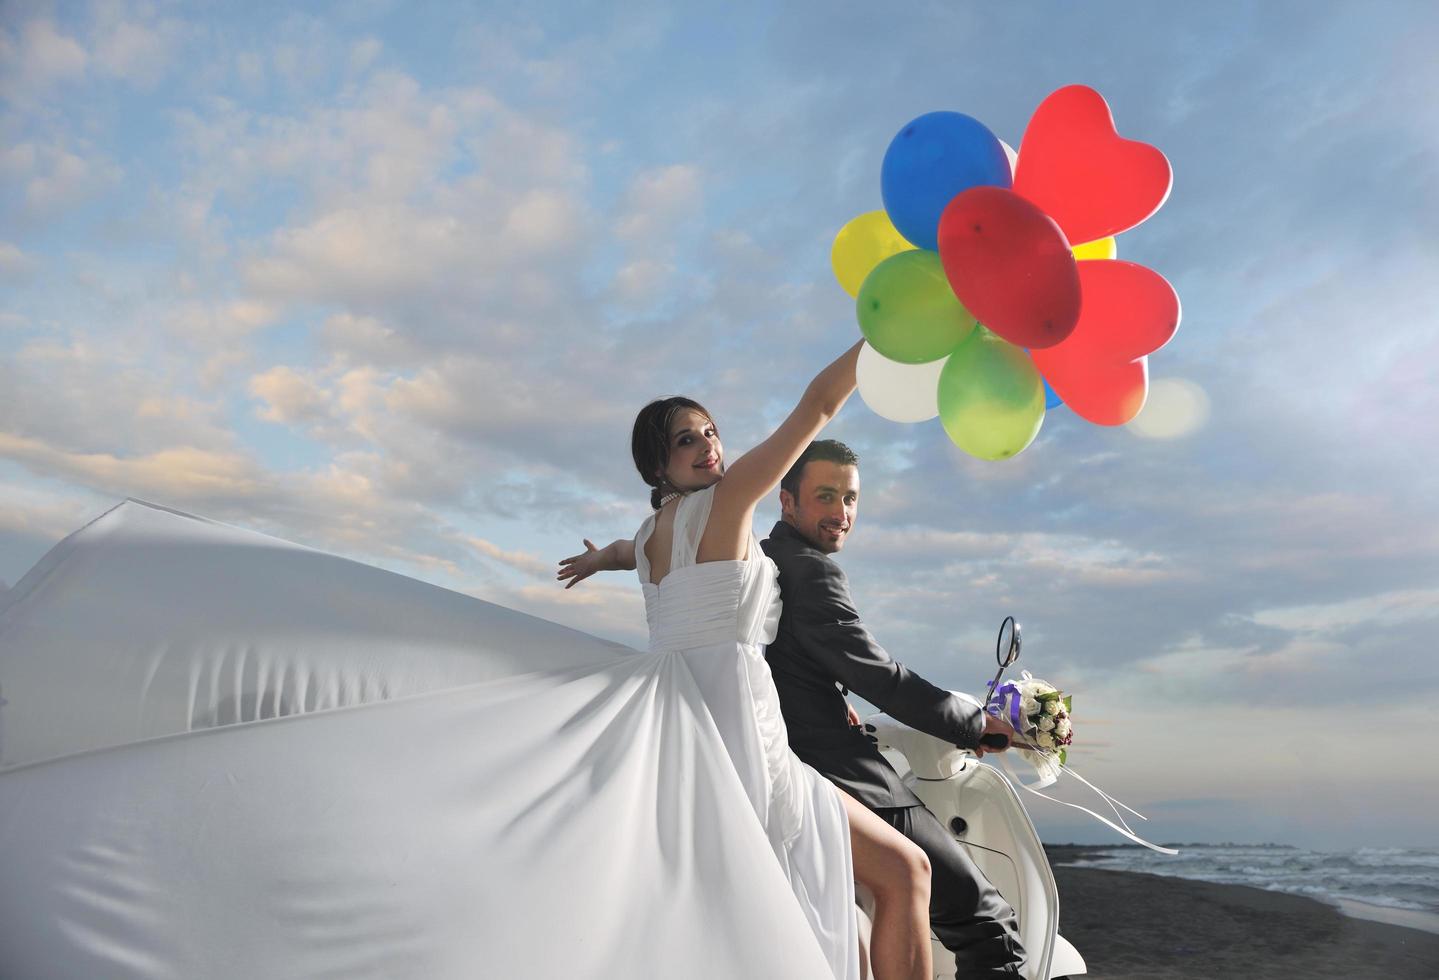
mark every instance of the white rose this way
{"type": "Point", "coordinates": [1052, 707]}
{"type": "Point", "coordinates": [1029, 706]}
{"type": "Point", "coordinates": [1062, 728]}
{"type": "Point", "coordinates": [1046, 723]}
{"type": "Point", "coordinates": [1045, 740]}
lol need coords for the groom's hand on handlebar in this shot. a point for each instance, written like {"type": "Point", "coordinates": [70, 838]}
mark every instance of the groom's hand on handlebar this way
{"type": "Point", "coordinates": [995, 737]}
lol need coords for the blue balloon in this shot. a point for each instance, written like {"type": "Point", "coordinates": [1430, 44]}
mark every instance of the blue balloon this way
{"type": "Point", "coordinates": [932, 159]}
{"type": "Point", "coordinates": [1051, 400]}
{"type": "Point", "coordinates": [1051, 397]}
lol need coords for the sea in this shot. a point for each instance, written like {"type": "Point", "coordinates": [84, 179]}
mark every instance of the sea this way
{"type": "Point", "coordinates": [1399, 885]}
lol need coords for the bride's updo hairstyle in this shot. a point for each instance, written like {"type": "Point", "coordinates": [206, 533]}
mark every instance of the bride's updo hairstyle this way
{"type": "Point", "coordinates": [650, 441]}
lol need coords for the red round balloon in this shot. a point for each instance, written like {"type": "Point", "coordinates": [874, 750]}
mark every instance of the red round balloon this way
{"type": "Point", "coordinates": [1100, 371]}
{"type": "Point", "coordinates": [1010, 265]}
{"type": "Point", "coordinates": [1076, 167]}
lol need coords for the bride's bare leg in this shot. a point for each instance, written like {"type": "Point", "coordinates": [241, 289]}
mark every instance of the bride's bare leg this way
{"type": "Point", "coordinates": [894, 868]}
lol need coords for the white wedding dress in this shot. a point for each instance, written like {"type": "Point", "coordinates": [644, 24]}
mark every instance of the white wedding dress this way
{"type": "Point", "coordinates": [716, 618]}
{"type": "Point", "coordinates": [227, 756]}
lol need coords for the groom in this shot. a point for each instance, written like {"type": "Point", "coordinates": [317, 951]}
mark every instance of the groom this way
{"type": "Point", "coordinates": [822, 646]}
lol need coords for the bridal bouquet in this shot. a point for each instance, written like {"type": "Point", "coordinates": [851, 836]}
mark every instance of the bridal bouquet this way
{"type": "Point", "coordinates": [1039, 712]}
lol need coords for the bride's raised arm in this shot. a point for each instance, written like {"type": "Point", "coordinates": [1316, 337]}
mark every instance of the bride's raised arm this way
{"type": "Point", "coordinates": [746, 481]}
{"type": "Point", "coordinates": [751, 477]}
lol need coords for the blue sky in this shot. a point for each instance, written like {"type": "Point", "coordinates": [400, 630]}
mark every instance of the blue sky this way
{"type": "Point", "coordinates": [392, 279]}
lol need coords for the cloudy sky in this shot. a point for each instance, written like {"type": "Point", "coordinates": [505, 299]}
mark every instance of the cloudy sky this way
{"type": "Point", "coordinates": [392, 279]}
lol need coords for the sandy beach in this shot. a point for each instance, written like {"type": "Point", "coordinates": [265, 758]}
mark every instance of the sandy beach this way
{"type": "Point", "coordinates": [1131, 926]}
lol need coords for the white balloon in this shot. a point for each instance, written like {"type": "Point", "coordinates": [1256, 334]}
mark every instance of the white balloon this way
{"type": "Point", "coordinates": [898, 392]}
{"type": "Point", "coordinates": [1013, 155]}
{"type": "Point", "coordinates": [1175, 408]}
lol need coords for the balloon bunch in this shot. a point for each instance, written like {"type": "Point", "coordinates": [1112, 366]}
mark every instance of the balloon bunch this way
{"type": "Point", "coordinates": [974, 303]}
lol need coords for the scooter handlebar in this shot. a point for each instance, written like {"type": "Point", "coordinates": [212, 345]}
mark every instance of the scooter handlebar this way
{"type": "Point", "coordinates": [929, 757]}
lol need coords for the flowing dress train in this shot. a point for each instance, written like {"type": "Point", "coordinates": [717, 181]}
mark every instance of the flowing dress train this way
{"type": "Point", "coordinates": [228, 756]}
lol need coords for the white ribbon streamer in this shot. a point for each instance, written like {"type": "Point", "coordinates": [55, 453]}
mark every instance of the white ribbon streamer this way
{"type": "Point", "coordinates": [1122, 828]}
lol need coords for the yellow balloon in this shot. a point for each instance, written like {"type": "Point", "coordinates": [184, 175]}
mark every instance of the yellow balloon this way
{"type": "Point", "coordinates": [862, 244]}
{"type": "Point", "coordinates": [1100, 248]}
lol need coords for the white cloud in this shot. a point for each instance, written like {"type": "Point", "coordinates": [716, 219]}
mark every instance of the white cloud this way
{"type": "Point", "coordinates": [102, 395]}
{"type": "Point", "coordinates": [55, 176]}
{"type": "Point", "coordinates": [391, 260]}
{"type": "Point", "coordinates": [15, 265]}
{"type": "Point", "coordinates": [219, 325]}
{"type": "Point", "coordinates": [1194, 666]}
{"type": "Point", "coordinates": [988, 558]}
{"type": "Point", "coordinates": [521, 560]}
{"type": "Point", "coordinates": [363, 54]}
{"type": "Point", "coordinates": [249, 68]}
{"type": "Point", "coordinates": [18, 161]}
{"type": "Point", "coordinates": [288, 396]}
{"type": "Point", "coordinates": [447, 202]}
{"type": "Point", "coordinates": [40, 56]}
{"type": "Point", "coordinates": [1334, 617]}
{"type": "Point", "coordinates": [339, 507]}
{"type": "Point", "coordinates": [42, 512]}
{"type": "Point", "coordinates": [642, 280]}
{"type": "Point", "coordinates": [541, 220]}
{"type": "Point", "coordinates": [303, 47]}
{"type": "Point", "coordinates": [132, 46]}
{"type": "Point", "coordinates": [391, 140]}
{"type": "Point", "coordinates": [182, 473]}
{"type": "Point", "coordinates": [124, 41]}
{"type": "Point", "coordinates": [659, 199]}
{"type": "Point", "coordinates": [351, 339]}
{"type": "Point", "coordinates": [539, 417]}
{"type": "Point", "coordinates": [68, 176]}
{"type": "Point", "coordinates": [359, 252]}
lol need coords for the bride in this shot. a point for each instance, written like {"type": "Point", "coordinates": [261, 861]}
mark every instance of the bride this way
{"type": "Point", "coordinates": [712, 602]}
{"type": "Point", "coordinates": [229, 756]}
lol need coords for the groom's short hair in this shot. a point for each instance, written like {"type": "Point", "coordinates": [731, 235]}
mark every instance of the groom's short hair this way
{"type": "Point", "coordinates": [827, 450]}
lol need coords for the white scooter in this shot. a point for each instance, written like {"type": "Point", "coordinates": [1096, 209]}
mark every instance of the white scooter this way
{"type": "Point", "coordinates": [981, 808]}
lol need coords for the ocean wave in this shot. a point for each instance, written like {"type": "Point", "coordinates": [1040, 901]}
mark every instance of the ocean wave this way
{"type": "Point", "coordinates": [1388, 877]}
{"type": "Point", "coordinates": [1384, 901]}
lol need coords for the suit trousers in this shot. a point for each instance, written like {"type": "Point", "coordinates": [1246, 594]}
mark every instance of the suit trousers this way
{"type": "Point", "coordinates": [969, 916]}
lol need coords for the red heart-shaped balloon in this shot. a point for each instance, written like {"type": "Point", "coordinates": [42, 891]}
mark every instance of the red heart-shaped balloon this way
{"type": "Point", "coordinates": [1076, 167]}
{"type": "Point", "coordinates": [1129, 310]}
{"type": "Point", "coordinates": [1105, 394]}
{"type": "Point", "coordinates": [1100, 370]}
{"type": "Point", "coordinates": [1010, 266]}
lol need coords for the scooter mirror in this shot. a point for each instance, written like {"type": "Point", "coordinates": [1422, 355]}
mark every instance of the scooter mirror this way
{"type": "Point", "coordinates": [1006, 648]}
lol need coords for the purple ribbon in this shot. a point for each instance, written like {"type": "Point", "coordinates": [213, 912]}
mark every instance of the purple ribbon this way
{"type": "Point", "coordinates": [1007, 700]}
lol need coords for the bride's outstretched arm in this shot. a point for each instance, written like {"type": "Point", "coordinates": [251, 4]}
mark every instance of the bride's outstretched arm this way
{"type": "Point", "coordinates": [618, 555]}
{"type": "Point", "coordinates": [751, 477]}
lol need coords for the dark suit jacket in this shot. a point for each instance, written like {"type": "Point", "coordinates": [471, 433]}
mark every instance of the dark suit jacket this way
{"type": "Point", "coordinates": [822, 643]}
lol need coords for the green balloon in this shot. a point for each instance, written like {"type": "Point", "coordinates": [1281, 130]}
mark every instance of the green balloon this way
{"type": "Point", "coordinates": [907, 310]}
{"type": "Point", "coordinates": [991, 397]}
